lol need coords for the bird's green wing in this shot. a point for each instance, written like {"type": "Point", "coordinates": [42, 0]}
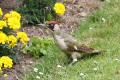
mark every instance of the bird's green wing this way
{"type": "Point", "coordinates": [79, 47]}
{"type": "Point", "coordinates": [74, 45]}
{"type": "Point", "coordinates": [82, 48]}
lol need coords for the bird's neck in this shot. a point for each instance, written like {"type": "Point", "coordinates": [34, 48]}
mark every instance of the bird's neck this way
{"type": "Point", "coordinates": [57, 30]}
{"type": "Point", "coordinates": [56, 33]}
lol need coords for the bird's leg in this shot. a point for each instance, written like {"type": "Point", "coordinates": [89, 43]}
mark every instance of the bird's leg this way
{"type": "Point", "coordinates": [68, 58]}
{"type": "Point", "coordinates": [75, 56]}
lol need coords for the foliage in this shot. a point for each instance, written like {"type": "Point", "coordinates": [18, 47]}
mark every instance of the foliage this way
{"type": "Point", "coordinates": [5, 50]}
{"type": "Point", "coordinates": [36, 11]}
{"type": "Point", "coordinates": [9, 38]}
{"type": "Point", "coordinates": [39, 46]}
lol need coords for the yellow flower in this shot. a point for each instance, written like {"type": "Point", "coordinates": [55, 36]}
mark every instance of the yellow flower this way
{"type": "Point", "coordinates": [0, 66]}
{"type": "Point", "coordinates": [1, 13]}
{"type": "Point", "coordinates": [0, 69]}
{"type": "Point", "coordinates": [3, 37]}
{"type": "Point", "coordinates": [15, 14]}
{"type": "Point", "coordinates": [5, 75]}
{"type": "Point", "coordinates": [2, 24]}
{"type": "Point", "coordinates": [12, 41]}
{"type": "Point", "coordinates": [6, 16]}
{"type": "Point", "coordinates": [59, 8]}
{"type": "Point", "coordinates": [6, 61]}
{"type": "Point", "coordinates": [13, 20]}
{"type": "Point", "coordinates": [14, 23]}
{"type": "Point", "coordinates": [23, 37]}
{"type": "Point", "coordinates": [11, 15]}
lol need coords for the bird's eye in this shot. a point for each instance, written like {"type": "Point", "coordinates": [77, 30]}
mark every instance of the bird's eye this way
{"type": "Point", "coordinates": [52, 25]}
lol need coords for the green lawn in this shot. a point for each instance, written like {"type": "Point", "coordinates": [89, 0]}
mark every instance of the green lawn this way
{"type": "Point", "coordinates": [104, 27]}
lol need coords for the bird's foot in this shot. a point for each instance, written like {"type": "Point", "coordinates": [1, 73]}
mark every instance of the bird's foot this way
{"type": "Point", "coordinates": [73, 62]}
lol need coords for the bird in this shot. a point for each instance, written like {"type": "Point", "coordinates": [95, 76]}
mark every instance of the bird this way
{"type": "Point", "coordinates": [67, 43]}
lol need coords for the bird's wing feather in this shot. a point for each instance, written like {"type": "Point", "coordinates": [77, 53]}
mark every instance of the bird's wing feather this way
{"type": "Point", "coordinates": [75, 45]}
{"type": "Point", "coordinates": [69, 38]}
{"type": "Point", "coordinates": [79, 47]}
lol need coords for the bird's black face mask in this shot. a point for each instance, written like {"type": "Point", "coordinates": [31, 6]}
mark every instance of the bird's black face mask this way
{"type": "Point", "coordinates": [51, 26]}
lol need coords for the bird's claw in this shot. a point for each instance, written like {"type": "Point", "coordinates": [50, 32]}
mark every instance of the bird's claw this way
{"type": "Point", "coordinates": [73, 62]}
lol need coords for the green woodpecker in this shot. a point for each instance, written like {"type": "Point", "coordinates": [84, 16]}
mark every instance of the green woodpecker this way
{"type": "Point", "coordinates": [66, 43]}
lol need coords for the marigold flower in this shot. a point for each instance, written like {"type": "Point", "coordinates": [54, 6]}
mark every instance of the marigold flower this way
{"type": "Point", "coordinates": [6, 61]}
{"type": "Point", "coordinates": [23, 37]}
{"type": "Point", "coordinates": [6, 16]}
{"type": "Point", "coordinates": [13, 20]}
{"type": "Point", "coordinates": [59, 8]}
{"type": "Point", "coordinates": [0, 69]}
{"type": "Point", "coordinates": [11, 15]}
{"type": "Point", "coordinates": [1, 13]}
{"type": "Point", "coordinates": [2, 24]}
{"type": "Point", "coordinates": [0, 66]}
{"type": "Point", "coordinates": [15, 14]}
{"type": "Point", "coordinates": [12, 41]}
{"type": "Point", "coordinates": [3, 37]}
{"type": "Point", "coordinates": [14, 23]}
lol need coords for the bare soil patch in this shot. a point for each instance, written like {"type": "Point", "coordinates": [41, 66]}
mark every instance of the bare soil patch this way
{"type": "Point", "coordinates": [76, 12]}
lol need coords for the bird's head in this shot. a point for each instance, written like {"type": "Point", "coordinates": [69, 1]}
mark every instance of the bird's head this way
{"type": "Point", "coordinates": [52, 25]}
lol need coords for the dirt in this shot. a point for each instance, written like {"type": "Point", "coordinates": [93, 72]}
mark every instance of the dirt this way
{"type": "Point", "coordinates": [9, 5]}
{"type": "Point", "coordinates": [76, 12]}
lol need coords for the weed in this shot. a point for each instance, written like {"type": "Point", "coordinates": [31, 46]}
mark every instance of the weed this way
{"type": "Point", "coordinates": [39, 46]}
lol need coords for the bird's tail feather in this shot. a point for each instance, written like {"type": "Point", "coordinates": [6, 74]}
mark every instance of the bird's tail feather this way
{"type": "Point", "coordinates": [97, 51]}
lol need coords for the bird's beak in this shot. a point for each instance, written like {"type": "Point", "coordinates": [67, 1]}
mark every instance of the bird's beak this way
{"type": "Point", "coordinates": [43, 25]}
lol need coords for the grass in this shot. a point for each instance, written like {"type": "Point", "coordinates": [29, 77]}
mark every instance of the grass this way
{"type": "Point", "coordinates": [107, 35]}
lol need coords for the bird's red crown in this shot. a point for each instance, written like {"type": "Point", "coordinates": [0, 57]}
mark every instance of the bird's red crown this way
{"type": "Point", "coordinates": [52, 22]}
